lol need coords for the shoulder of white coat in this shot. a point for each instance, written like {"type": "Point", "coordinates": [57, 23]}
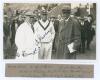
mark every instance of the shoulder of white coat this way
{"type": "Point", "coordinates": [21, 26]}
{"type": "Point", "coordinates": [36, 24]}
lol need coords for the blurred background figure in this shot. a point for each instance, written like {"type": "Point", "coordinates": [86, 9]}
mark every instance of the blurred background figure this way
{"type": "Point", "coordinates": [59, 17]}
{"type": "Point", "coordinates": [6, 36]}
{"type": "Point", "coordinates": [83, 35]}
{"type": "Point", "coordinates": [90, 32]}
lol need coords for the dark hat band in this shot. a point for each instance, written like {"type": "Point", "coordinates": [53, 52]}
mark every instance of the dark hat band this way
{"type": "Point", "coordinates": [66, 11]}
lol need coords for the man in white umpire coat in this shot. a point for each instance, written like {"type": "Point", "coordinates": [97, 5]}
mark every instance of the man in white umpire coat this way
{"type": "Point", "coordinates": [45, 32]}
{"type": "Point", "coordinates": [25, 40]}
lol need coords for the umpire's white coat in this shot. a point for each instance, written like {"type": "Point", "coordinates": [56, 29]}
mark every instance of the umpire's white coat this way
{"type": "Point", "coordinates": [45, 33]}
{"type": "Point", "coordinates": [25, 41]}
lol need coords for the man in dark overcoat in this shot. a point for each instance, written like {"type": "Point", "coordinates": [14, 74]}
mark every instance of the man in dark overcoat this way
{"type": "Point", "coordinates": [69, 32]}
{"type": "Point", "coordinates": [89, 31]}
{"type": "Point", "coordinates": [83, 35]}
{"type": "Point", "coordinates": [6, 36]}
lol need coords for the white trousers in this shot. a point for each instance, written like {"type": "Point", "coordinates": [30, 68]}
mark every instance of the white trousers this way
{"type": "Point", "coordinates": [45, 50]}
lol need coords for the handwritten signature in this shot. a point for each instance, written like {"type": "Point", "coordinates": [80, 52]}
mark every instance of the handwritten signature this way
{"type": "Point", "coordinates": [44, 35]}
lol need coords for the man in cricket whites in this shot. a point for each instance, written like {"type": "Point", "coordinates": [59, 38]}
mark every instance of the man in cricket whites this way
{"type": "Point", "coordinates": [45, 32]}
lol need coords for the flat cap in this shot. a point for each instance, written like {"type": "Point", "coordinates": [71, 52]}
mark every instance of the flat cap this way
{"type": "Point", "coordinates": [82, 19]}
{"type": "Point", "coordinates": [30, 14]}
{"type": "Point", "coordinates": [52, 16]}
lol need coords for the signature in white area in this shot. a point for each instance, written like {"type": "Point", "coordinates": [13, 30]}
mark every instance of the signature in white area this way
{"type": "Point", "coordinates": [36, 50]}
{"type": "Point", "coordinates": [44, 35]}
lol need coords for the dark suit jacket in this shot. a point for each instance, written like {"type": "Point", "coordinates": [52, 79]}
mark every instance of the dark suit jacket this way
{"type": "Point", "coordinates": [69, 31]}
{"type": "Point", "coordinates": [6, 29]}
{"type": "Point", "coordinates": [88, 28]}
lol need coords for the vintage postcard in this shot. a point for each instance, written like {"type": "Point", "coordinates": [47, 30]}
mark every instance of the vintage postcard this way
{"type": "Point", "coordinates": [49, 31]}
{"type": "Point", "coordinates": [43, 39]}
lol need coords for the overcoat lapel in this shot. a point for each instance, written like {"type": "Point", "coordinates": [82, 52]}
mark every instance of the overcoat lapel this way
{"type": "Point", "coordinates": [66, 24]}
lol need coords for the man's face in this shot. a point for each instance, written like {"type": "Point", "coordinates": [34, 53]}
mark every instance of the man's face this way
{"type": "Point", "coordinates": [66, 15]}
{"type": "Point", "coordinates": [28, 18]}
{"type": "Point", "coordinates": [52, 19]}
{"type": "Point", "coordinates": [89, 18]}
{"type": "Point", "coordinates": [20, 17]}
{"type": "Point", "coordinates": [59, 17]}
{"type": "Point", "coordinates": [32, 20]}
{"type": "Point", "coordinates": [23, 18]}
{"type": "Point", "coordinates": [44, 17]}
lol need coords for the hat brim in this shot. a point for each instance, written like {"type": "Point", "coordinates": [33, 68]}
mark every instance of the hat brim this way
{"type": "Point", "coordinates": [44, 14]}
{"type": "Point", "coordinates": [30, 15]}
{"type": "Point", "coordinates": [66, 11]}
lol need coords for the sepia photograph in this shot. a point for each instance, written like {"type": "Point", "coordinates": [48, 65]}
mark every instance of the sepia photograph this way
{"type": "Point", "coordinates": [49, 31]}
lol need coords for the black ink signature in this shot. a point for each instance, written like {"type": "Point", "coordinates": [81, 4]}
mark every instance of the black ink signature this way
{"type": "Point", "coordinates": [44, 35]}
